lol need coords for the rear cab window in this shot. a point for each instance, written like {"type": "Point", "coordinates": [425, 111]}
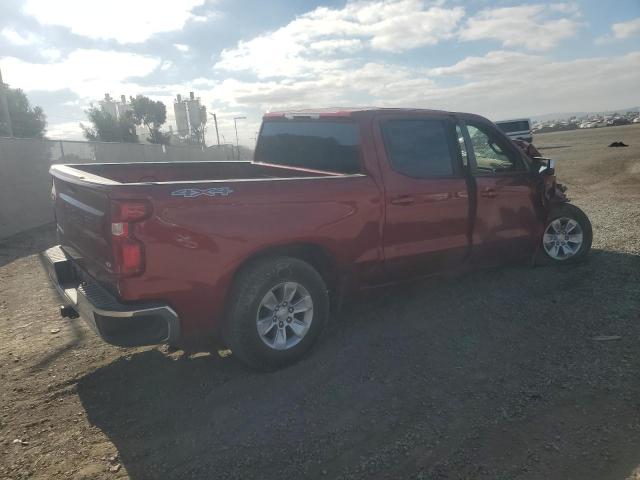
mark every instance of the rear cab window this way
{"type": "Point", "coordinates": [332, 146]}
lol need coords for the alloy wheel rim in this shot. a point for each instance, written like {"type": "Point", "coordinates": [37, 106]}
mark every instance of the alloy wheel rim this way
{"type": "Point", "coordinates": [284, 315]}
{"type": "Point", "coordinates": [562, 238]}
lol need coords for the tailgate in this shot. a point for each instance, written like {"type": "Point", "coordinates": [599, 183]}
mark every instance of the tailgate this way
{"type": "Point", "coordinates": [82, 217]}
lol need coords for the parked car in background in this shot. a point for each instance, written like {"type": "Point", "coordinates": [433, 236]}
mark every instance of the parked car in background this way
{"type": "Point", "coordinates": [261, 253]}
{"type": "Point", "coordinates": [616, 122]}
{"type": "Point", "coordinates": [517, 129]}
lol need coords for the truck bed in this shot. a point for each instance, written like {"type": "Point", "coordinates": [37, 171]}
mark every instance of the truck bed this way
{"type": "Point", "coordinates": [132, 173]}
{"type": "Point", "coordinates": [190, 202]}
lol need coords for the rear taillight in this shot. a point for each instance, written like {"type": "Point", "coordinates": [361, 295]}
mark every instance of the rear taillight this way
{"type": "Point", "coordinates": [125, 211]}
{"type": "Point", "coordinates": [128, 256]}
{"type": "Point", "coordinates": [128, 252]}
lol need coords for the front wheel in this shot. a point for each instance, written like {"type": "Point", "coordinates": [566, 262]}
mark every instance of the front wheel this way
{"type": "Point", "coordinates": [567, 235]}
{"type": "Point", "coordinates": [277, 311]}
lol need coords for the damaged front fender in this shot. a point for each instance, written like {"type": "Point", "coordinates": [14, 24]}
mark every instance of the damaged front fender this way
{"type": "Point", "coordinates": [553, 192]}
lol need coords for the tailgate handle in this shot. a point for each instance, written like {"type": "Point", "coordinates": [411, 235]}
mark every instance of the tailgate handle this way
{"type": "Point", "coordinates": [488, 193]}
{"type": "Point", "coordinates": [403, 200]}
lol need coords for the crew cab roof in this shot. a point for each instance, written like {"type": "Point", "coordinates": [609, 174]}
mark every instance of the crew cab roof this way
{"type": "Point", "coordinates": [345, 112]}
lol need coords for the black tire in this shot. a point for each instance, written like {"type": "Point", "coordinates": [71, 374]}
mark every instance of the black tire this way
{"type": "Point", "coordinates": [567, 210]}
{"type": "Point", "coordinates": [251, 285]}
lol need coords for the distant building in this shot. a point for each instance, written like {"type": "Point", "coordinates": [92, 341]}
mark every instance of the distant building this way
{"type": "Point", "coordinates": [109, 105]}
{"type": "Point", "coordinates": [182, 119]}
{"type": "Point", "coordinates": [190, 115]}
{"type": "Point", "coordinates": [114, 108]}
{"type": "Point", "coordinates": [123, 107]}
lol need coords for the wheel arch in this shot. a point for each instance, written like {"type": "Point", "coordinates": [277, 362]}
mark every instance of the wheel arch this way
{"type": "Point", "coordinates": [314, 254]}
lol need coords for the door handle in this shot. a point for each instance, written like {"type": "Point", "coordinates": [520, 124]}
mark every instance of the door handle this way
{"type": "Point", "coordinates": [488, 193]}
{"type": "Point", "coordinates": [403, 200]}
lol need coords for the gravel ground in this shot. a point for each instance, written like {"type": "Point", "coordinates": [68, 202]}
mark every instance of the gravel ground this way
{"type": "Point", "coordinates": [513, 373]}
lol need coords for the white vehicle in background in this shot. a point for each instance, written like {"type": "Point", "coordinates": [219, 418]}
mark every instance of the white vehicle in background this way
{"type": "Point", "coordinates": [517, 128]}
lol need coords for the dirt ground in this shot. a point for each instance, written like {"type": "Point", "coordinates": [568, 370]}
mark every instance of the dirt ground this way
{"type": "Point", "coordinates": [515, 373]}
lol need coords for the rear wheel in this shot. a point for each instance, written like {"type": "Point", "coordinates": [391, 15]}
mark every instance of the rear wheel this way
{"type": "Point", "coordinates": [567, 235]}
{"type": "Point", "coordinates": [278, 309]}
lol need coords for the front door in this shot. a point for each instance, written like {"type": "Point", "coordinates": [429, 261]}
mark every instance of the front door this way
{"type": "Point", "coordinates": [506, 223]}
{"type": "Point", "coordinates": [426, 228]}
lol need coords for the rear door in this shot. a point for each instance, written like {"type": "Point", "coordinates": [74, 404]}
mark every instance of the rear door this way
{"type": "Point", "coordinates": [505, 224]}
{"type": "Point", "coordinates": [426, 227]}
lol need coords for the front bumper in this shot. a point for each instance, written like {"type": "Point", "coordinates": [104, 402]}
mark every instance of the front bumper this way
{"type": "Point", "coordinates": [126, 325]}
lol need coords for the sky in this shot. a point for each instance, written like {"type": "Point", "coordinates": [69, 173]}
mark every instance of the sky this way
{"type": "Point", "coordinates": [502, 59]}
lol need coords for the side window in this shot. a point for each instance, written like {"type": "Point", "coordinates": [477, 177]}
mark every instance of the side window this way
{"type": "Point", "coordinates": [491, 154]}
{"type": "Point", "coordinates": [419, 148]}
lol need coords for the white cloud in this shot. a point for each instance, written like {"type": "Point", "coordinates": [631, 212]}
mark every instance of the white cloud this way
{"type": "Point", "coordinates": [89, 73]}
{"type": "Point", "coordinates": [625, 30]}
{"type": "Point", "coordinates": [379, 25]}
{"type": "Point", "coordinates": [36, 43]}
{"type": "Point", "coordinates": [338, 45]}
{"type": "Point", "coordinates": [406, 24]}
{"type": "Point", "coordinates": [327, 57]}
{"type": "Point", "coordinates": [206, 17]}
{"type": "Point", "coordinates": [123, 20]}
{"type": "Point", "coordinates": [570, 7]}
{"type": "Point", "coordinates": [491, 65]}
{"type": "Point", "coordinates": [498, 84]}
{"type": "Point", "coordinates": [354, 86]}
{"type": "Point", "coordinates": [535, 27]}
{"type": "Point", "coordinates": [18, 39]}
{"type": "Point", "coordinates": [182, 47]}
{"type": "Point", "coordinates": [50, 53]}
{"type": "Point", "coordinates": [620, 31]}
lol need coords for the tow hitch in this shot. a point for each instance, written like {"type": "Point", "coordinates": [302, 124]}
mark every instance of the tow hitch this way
{"type": "Point", "coordinates": [67, 311]}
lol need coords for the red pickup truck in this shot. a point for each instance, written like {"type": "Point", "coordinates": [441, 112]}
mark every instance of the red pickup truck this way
{"type": "Point", "coordinates": [261, 252]}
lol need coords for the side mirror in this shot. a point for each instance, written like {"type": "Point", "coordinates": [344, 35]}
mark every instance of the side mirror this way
{"type": "Point", "coordinates": [544, 166]}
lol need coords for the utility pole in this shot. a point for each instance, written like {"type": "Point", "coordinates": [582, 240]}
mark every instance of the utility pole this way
{"type": "Point", "coordinates": [4, 108]}
{"type": "Point", "coordinates": [235, 124]}
{"type": "Point", "coordinates": [224, 142]}
{"type": "Point", "coordinates": [215, 122]}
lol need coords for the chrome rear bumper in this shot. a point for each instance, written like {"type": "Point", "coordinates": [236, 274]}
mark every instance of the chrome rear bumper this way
{"type": "Point", "coordinates": [117, 323]}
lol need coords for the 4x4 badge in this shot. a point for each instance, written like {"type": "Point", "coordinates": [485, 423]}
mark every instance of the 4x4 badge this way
{"type": "Point", "coordinates": [196, 192]}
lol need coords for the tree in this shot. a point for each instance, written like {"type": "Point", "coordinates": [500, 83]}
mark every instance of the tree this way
{"type": "Point", "coordinates": [107, 128]}
{"type": "Point", "coordinates": [26, 121]}
{"type": "Point", "coordinates": [152, 114]}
